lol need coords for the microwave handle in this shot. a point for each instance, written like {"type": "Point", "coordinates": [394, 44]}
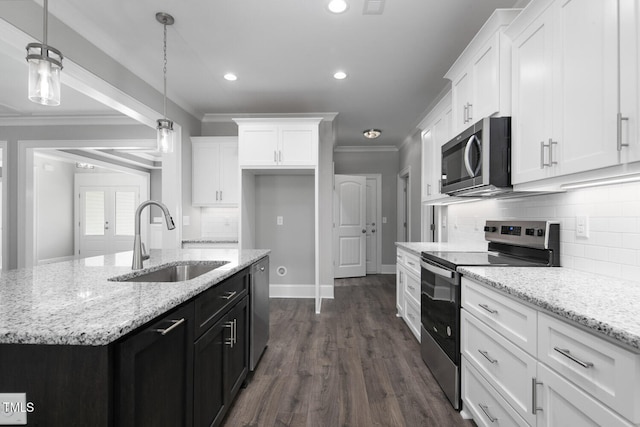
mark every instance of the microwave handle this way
{"type": "Point", "coordinates": [467, 152]}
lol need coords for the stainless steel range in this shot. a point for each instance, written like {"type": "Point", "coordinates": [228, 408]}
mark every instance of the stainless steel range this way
{"type": "Point", "coordinates": [511, 243]}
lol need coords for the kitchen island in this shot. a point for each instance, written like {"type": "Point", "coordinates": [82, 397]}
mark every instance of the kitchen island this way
{"type": "Point", "coordinates": [86, 350]}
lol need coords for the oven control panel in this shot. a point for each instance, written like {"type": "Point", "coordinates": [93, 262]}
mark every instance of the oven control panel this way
{"type": "Point", "coordinates": [534, 234]}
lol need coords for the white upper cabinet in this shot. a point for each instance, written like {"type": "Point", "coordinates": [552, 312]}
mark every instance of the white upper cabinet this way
{"type": "Point", "coordinates": [481, 76]}
{"type": "Point", "coordinates": [278, 143]}
{"type": "Point", "coordinates": [629, 133]}
{"type": "Point", "coordinates": [215, 171]}
{"type": "Point", "coordinates": [566, 94]}
{"type": "Point", "coordinates": [436, 132]}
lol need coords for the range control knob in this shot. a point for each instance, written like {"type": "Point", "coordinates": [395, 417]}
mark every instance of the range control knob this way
{"type": "Point", "coordinates": [530, 231]}
{"type": "Point", "coordinates": [490, 229]}
{"type": "Point", "coordinates": [540, 232]}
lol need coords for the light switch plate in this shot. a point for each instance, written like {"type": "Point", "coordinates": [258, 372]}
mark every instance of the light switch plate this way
{"type": "Point", "coordinates": [384, 219]}
{"type": "Point", "coordinates": [279, 220]}
{"type": "Point", "coordinates": [186, 220]}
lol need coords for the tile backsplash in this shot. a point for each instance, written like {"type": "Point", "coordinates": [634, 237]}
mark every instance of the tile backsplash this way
{"type": "Point", "coordinates": [613, 245]}
{"type": "Point", "coordinates": [220, 223]}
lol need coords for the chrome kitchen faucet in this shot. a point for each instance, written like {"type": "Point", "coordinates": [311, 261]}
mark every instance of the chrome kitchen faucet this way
{"type": "Point", "coordinates": [137, 241]}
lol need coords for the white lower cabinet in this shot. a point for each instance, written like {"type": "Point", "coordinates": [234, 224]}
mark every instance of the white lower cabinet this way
{"type": "Point", "coordinates": [484, 403]}
{"type": "Point", "coordinates": [549, 373]}
{"type": "Point", "coordinates": [408, 289]}
{"type": "Point", "coordinates": [563, 404]}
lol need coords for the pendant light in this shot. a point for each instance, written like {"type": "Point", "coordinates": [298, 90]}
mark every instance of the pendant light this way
{"type": "Point", "coordinates": [45, 63]}
{"type": "Point", "coordinates": [165, 126]}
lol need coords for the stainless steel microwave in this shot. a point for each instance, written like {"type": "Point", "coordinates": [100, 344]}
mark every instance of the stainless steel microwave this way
{"type": "Point", "coordinates": [477, 162]}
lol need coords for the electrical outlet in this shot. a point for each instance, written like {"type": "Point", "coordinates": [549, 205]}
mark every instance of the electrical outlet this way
{"type": "Point", "coordinates": [582, 226]}
{"type": "Point", "coordinates": [279, 220]}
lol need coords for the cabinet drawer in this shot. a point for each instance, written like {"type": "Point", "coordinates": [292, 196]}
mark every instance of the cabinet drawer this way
{"type": "Point", "coordinates": [412, 317]}
{"type": "Point", "coordinates": [609, 373]}
{"type": "Point", "coordinates": [504, 365]}
{"type": "Point", "coordinates": [412, 289]}
{"type": "Point", "coordinates": [413, 263]}
{"type": "Point", "coordinates": [513, 320]}
{"type": "Point", "coordinates": [211, 304]}
{"type": "Point", "coordinates": [486, 405]}
{"type": "Point", "coordinates": [564, 404]}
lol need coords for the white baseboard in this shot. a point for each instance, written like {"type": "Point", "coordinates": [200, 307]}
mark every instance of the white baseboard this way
{"type": "Point", "coordinates": [388, 269]}
{"type": "Point", "coordinates": [299, 291]}
{"type": "Point", "coordinates": [59, 259]}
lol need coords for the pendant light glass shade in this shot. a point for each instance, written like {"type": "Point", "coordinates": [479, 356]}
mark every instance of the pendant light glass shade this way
{"type": "Point", "coordinates": [165, 135]}
{"type": "Point", "coordinates": [165, 126]}
{"type": "Point", "coordinates": [45, 63]}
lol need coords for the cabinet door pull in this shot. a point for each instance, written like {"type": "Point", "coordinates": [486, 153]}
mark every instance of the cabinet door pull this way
{"type": "Point", "coordinates": [220, 195]}
{"type": "Point", "coordinates": [234, 335]}
{"type": "Point", "coordinates": [551, 144]}
{"type": "Point", "coordinates": [534, 396]}
{"type": "Point", "coordinates": [176, 323]}
{"type": "Point", "coordinates": [275, 157]}
{"type": "Point", "coordinates": [230, 341]}
{"type": "Point", "coordinates": [464, 114]}
{"type": "Point", "coordinates": [280, 156]}
{"type": "Point", "coordinates": [566, 353]}
{"type": "Point", "coordinates": [229, 295]}
{"type": "Point", "coordinates": [542, 163]}
{"type": "Point", "coordinates": [619, 120]}
{"type": "Point", "coordinates": [486, 356]}
{"type": "Point", "coordinates": [216, 196]}
{"type": "Point", "coordinates": [489, 309]}
{"type": "Point", "coordinates": [485, 409]}
{"type": "Point", "coordinates": [428, 189]}
{"type": "Point", "coordinates": [469, 111]}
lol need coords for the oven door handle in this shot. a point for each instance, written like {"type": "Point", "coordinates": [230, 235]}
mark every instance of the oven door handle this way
{"type": "Point", "coordinates": [437, 270]}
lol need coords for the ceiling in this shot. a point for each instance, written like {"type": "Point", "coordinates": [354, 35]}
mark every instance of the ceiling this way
{"type": "Point", "coordinates": [284, 53]}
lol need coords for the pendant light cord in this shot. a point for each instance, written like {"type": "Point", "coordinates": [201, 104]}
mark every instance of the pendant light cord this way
{"type": "Point", "coordinates": [45, 24]}
{"type": "Point", "coordinates": [164, 69]}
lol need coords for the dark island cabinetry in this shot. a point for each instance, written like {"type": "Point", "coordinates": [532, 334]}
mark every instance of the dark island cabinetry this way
{"type": "Point", "coordinates": [181, 369]}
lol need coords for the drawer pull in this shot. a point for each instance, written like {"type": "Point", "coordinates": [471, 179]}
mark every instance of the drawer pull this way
{"type": "Point", "coordinates": [229, 295]}
{"type": "Point", "coordinates": [486, 356]}
{"type": "Point", "coordinates": [176, 323]}
{"type": "Point", "coordinates": [411, 316]}
{"type": "Point", "coordinates": [566, 353]}
{"type": "Point", "coordinates": [485, 409]}
{"type": "Point", "coordinates": [411, 263]}
{"type": "Point", "coordinates": [411, 287]}
{"type": "Point", "coordinates": [534, 396]}
{"type": "Point", "coordinates": [489, 309]}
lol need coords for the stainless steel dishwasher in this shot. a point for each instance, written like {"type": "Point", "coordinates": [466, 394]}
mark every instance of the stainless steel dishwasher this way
{"type": "Point", "coordinates": [259, 309]}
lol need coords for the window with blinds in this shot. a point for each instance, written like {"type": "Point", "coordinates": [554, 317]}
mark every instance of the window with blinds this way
{"type": "Point", "coordinates": [94, 213]}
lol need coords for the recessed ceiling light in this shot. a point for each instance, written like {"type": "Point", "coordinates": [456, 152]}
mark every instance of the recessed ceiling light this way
{"type": "Point", "coordinates": [372, 133]}
{"type": "Point", "coordinates": [231, 77]}
{"type": "Point", "coordinates": [340, 75]}
{"type": "Point", "coordinates": [337, 6]}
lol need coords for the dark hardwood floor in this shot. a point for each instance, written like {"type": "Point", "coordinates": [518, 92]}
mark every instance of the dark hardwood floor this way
{"type": "Point", "coordinates": [355, 364]}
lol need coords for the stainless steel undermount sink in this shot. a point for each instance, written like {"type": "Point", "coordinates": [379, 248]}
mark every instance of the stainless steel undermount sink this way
{"type": "Point", "coordinates": [179, 272]}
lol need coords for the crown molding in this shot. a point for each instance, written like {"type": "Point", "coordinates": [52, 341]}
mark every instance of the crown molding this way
{"type": "Point", "coordinates": [228, 117]}
{"type": "Point", "coordinates": [362, 149]}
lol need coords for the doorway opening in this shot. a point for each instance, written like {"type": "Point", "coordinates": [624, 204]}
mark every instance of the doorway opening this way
{"type": "Point", "coordinates": [404, 205]}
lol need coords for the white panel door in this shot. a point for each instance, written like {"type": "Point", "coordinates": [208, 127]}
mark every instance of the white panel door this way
{"type": "Point", "coordinates": [350, 226]}
{"type": "Point", "coordinates": [373, 228]}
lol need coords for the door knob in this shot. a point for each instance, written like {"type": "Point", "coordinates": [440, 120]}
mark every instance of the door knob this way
{"type": "Point", "coordinates": [373, 231]}
{"type": "Point", "coordinates": [364, 231]}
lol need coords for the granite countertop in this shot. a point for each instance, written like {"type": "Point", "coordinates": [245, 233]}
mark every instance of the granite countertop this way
{"type": "Point", "coordinates": [603, 304]}
{"type": "Point", "coordinates": [74, 303]}
{"type": "Point", "coordinates": [417, 247]}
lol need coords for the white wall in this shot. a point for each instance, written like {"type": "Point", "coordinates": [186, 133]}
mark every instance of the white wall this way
{"type": "Point", "coordinates": [613, 246]}
{"type": "Point", "coordinates": [411, 155]}
{"type": "Point", "coordinates": [54, 207]}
